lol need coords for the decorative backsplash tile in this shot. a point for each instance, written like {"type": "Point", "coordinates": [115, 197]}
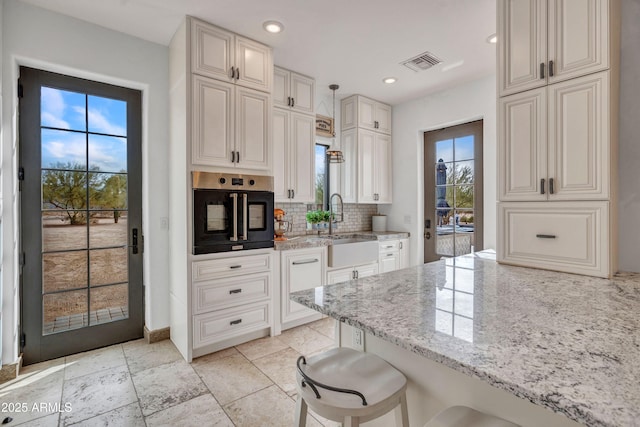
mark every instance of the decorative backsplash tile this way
{"type": "Point", "coordinates": [357, 217]}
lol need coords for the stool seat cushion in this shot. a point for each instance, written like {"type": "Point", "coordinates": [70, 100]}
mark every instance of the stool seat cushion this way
{"type": "Point", "coordinates": [346, 368]}
{"type": "Point", "coordinates": [463, 416]}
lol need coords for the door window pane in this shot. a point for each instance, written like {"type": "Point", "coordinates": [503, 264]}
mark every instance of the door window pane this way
{"type": "Point", "coordinates": [108, 266]}
{"type": "Point", "coordinates": [58, 232]}
{"type": "Point", "coordinates": [108, 228]}
{"type": "Point", "coordinates": [107, 191]}
{"type": "Point", "coordinates": [464, 148]}
{"type": "Point", "coordinates": [63, 149]}
{"type": "Point", "coordinates": [107, 153]}
{"type": "Point", "coordinates": [64, 270]}
{"type": "Point", "coordinates": [444, 150]}
{"type": "Point", "coordinates": [64, 311]}
{"type": "Point", "coordinates": [62, 109]}
{"type": "Point", "coordinates": [107, 116]}
{"type": "Point", "coordinates": [110, 303]}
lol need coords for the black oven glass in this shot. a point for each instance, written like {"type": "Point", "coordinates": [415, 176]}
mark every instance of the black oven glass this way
{"type": "Point", "coordinates": [257, 216]}
{"type": "Point", "coordinates": [217, 219]}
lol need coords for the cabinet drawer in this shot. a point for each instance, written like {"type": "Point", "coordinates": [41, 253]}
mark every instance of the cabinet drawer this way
{"type": "Point", "coordinates": [229, 292]}
{"type": "Point", "coordinates": [225, 267]}
{"type": "Point", "coordinates": [389, 245]}
{"type": "Point", "coordinates": [571, 236]}
{"type": "Point", "coordinates": [224, 324]}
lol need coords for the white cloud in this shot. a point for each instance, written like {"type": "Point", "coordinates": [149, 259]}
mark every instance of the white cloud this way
{"type": "Point", "coordinates": [99, 123]}
{"type": "Point", "coordinates": [53, 107]}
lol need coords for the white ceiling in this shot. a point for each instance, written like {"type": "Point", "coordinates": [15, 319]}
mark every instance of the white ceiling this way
{"type": "Point", "coordinates": [354, 43]}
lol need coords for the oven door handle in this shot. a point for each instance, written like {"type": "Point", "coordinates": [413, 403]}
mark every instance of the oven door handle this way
{"type": "Point", "coordinates": [234, 196]}
{"type": "Point", "coordinates": [245, 217]}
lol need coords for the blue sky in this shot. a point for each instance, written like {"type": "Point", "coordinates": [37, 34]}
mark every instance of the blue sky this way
{"type": "Point", "coordinates": [68, 110]}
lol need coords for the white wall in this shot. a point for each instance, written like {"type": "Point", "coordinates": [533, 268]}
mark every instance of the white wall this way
{"type": "Point", "coordinates": [44, 39]}
{"type": "Point", "coordinates": [629, 150]}
{"type": "Point", "coordinates": [468, 102]}
{"type": "Point", "coordinates": [1, 180]}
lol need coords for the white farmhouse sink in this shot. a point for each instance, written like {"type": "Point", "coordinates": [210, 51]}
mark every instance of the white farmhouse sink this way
{"type": "Point", "coordinates": [352, 251]}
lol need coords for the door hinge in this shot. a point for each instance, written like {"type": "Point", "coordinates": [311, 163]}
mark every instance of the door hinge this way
{"type": "Point", "coordinates": [22, 258]}
{"type": "Point", "coordinates": [20, 89]}
{"type": "Point", "coordinates": [23, 340]}
{"type": "Point", "coordinates": [20, 173]}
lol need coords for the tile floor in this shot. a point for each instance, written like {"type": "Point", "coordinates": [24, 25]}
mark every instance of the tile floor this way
{"type": "Point", "coordinates": [140, 384]}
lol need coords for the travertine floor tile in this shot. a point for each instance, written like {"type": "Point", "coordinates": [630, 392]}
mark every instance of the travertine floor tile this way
{"type": "Point", "coordinates": [218, 355]}
{"type": "Point", "coordinates": [199, 412]}
{"type": "Point", "coordinates": [93, 361]}
{"type": "Point", "coordinates": [261, 347]}
{"type": "Point", "coordinates": [129, 415]}
{"type": "Point", "coordinates": [48, 421]}
{"type": "Point", "coordinates": [141, 356]}
{"type": "Point", "coordinates": [268, 407]}
{"type": "Point", "coordinates": [230, 378]}
{"type": "Point", "coordinates": [326, 327]}
{"type": "Point", "coordinates": [281, 368]}
{"type": "Point", "coordinates": [167, 385]}
{"type": "Point", "coordinates": [305, 340]}
{"type": "Point", "coordinates": [96, 394]}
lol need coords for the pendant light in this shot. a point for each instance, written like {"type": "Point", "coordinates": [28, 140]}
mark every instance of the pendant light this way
{"type": "Point", "coordinates": [334, 156]}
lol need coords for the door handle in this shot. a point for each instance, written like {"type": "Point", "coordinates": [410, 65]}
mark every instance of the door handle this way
{"type": "Point", "coordinates": [550, 68]}
{"type": "Point", "coordinates": [289, 101]}
{"type": "Point", "coordinates": [542, 70]}
{"type": "Point", "coordinates": [233, 157]}
{"type": "Point", "coordinates": [427, 223]}
{"type": "Point", "coordinates": [245, 217]}
{"type": "Point", "coordinates": [237, 73]}
{"type": "Point", "coordinates": [233, 73]}
{"type": "Point", "coordinates": [550, 185]}
{"type": "Point", "coordinates": [541, 185]}
{"type": "Point", "coordinates": [234, 196]}
{"type": "Point", "coordinates": [134, 241]}
{"type": "Point", "coordinates": [427, 235]}
{"type": "Point", "coordinates": [293, 102]}
{"type": "Point", "coordinates": [237, 157]}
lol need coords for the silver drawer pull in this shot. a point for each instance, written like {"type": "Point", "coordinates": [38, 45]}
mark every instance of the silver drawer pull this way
{"type": "Point", "coordinates": [235, 291]}
{"type": "Point", "coordinates": [309, 261]}
{"type": "Point", "coordinates": [235, 266]}
{"type": "Point", "coordinates": [235, 322]}
{"type": "Point", "coordinates": [545, 236]}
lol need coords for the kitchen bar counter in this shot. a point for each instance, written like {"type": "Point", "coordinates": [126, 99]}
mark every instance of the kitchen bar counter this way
{"type": "Point", "coordinates": [315, 240]}
{"type": "Point", "coordinates": [565, 342]}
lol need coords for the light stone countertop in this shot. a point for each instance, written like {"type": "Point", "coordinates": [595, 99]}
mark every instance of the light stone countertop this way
{"type": "Point", "coordinates": [315, 240]}
{"type": "Point", "coordinates": [566, 342]}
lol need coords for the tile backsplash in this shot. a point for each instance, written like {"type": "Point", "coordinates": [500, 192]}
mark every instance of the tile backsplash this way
{"type": "Point", "coordinates": [357, 217]}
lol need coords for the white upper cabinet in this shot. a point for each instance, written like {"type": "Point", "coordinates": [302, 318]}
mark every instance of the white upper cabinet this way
{"type": "Point", "coordinates": [374, 167]}
{"type": "Point", "coordinates": [554, 142]}
{"type": "Point", "coordinates": [349, 169]}
{"type": "Point", "coordinates": [293, 90]}
{"type": "Point", "coordinates": [546, 41]}
{"type": "Point", "coordinates": [223, 55]}
{"type": "Point", "coordinates": [359, 111]}
{"type": "Point", "coordinates": [253, 125]}
{"type": "Point", "coordinates": [294, 163]}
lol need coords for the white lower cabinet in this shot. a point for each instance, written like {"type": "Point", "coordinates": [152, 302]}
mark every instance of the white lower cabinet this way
{"type": "Point", "coordinates": [231, 300]}
{"type": "Point", "coordinates": [300, 269]}
{"type": "Point", "coordinates": [349, 273]}
{"type": "Point", "coordinates": [404, 253]}
{"type": "Point", "coordinates": [394, 255]}
{"type": "Point", "coordinates": [562, 236]}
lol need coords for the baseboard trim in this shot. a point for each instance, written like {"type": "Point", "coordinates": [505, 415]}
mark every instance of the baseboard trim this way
{"type": "Point", "coordinates": [10, 372]}
{"type": "Point", "coordinates": [156, 335]}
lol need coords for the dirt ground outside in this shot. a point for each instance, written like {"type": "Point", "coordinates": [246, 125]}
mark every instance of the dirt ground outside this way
{"type": "Point", "coordinates": [86, 264]}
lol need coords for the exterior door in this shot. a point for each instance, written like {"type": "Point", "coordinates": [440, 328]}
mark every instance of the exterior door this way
{"type": "Point", "coordinates": [81, 215]}
{"type": "Point", "coordinates": [453, 191]}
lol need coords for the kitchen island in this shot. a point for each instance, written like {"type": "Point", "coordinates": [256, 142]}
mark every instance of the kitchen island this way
{"type": "Point", "coordinates": [503, 339]}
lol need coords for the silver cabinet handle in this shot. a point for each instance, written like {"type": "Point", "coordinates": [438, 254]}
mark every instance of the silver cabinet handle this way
{"type": "Point", "coordinates": [545, 236]}
{"type": "Point", "coordinates": [245, 217]}
{"type": "Point", "coordinates": [235, 291]}
{"type": "Point", "coordinates": [308, 261]}
{"type": "Point", "coordinates": [234, 238]}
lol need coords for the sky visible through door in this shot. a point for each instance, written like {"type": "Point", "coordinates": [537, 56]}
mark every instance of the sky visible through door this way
{"type": "Point", "coordinates": [84, 210]}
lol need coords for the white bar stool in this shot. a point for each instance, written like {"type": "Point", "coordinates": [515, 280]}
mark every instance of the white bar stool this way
{"type": "Point", "coordinates": [463, 416]}
{"type": "Point", "coordinates": [349, 386]}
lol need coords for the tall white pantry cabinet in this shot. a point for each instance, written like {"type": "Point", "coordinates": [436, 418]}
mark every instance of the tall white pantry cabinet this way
{"type": "Point", "coordinates": [220, 121]}
{"type": "Point", "coordinates": [558, 79]}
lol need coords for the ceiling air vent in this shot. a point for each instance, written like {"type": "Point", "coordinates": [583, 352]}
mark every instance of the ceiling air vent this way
{"type": "Point", "coordinates": [424, 61]}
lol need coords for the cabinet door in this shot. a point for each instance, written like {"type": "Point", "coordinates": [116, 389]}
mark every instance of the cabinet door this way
{"type": "Point", "coordinates": [367, 270]}
{"type": "Point", "coordinates": [281, 160]}
{"type": "Point", "coordinates": [366, 167]}
{"type": "Point", "coordinates": [579, 147]}
{"type": "Point", "coordinates": [301, 269]}
{"type": "Point", "coordinates": [302, 159]}
{"type": "Point", "coordinates": [281, 83]}
{"type": "Point", "coordinates": [562, 236]}
{"type": "Point", "coordinates": [522, 45]}
{"type": "Point", "coordinates": [212, 122]}
{"type": "Point", "coordinates": [389, 261]}
{"type": "Point", "coordinates": [212, 51]}
{"type": "Point", "coordinates": [366, 113]}
{"type": "Point", "coordinates": [578, 38]}
{"type": "Point", "coordinates": [254, 64]}
{"type": "Point", "coordinates": [383, 117]}
{"type": "Point", "coordinates": [349, 169]}
{"type": "Point", "coordinates": [303, 90]}
{"type": "Point", "coordinates": [340, 275]}
{"type": "Point", "coordinates": [522, 145]}
{"type": "Point", "coordinates": [348, 112]}
{"type": "Point", "coordinates": [383, 169]}
{"type": "Point", "coordinates": [404, 253]}
{"type": "Point", "coordinates": [253, 127]}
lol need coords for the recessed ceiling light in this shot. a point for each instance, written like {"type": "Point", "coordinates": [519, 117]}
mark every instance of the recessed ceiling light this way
{"type": "Point", "coordinates": [493, 39]}
{"type": "Point", "coordinates": [389, 80]}
{"type": "Point", "coordinates": [273, 26]}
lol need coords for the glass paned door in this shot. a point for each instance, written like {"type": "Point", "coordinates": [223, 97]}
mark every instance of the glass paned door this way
{"type": "Point", "coordinates": [453, 188]}
{"type": "Point", "coordinates": [80, 203]}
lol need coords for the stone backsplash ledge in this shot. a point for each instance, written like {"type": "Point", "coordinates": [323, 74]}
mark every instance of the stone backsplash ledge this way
{"type": "Point", "coordinates": [357, 217]}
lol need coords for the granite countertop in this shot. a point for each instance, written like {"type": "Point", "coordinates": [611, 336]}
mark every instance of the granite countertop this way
{"type": "Point", "coordinates": [566, 342]}
{"type": "Point", "coordinates": [315, 240]}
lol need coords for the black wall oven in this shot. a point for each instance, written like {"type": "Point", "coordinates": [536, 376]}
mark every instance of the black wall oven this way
{"type": "Point", "coordinates": [231, 212]}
